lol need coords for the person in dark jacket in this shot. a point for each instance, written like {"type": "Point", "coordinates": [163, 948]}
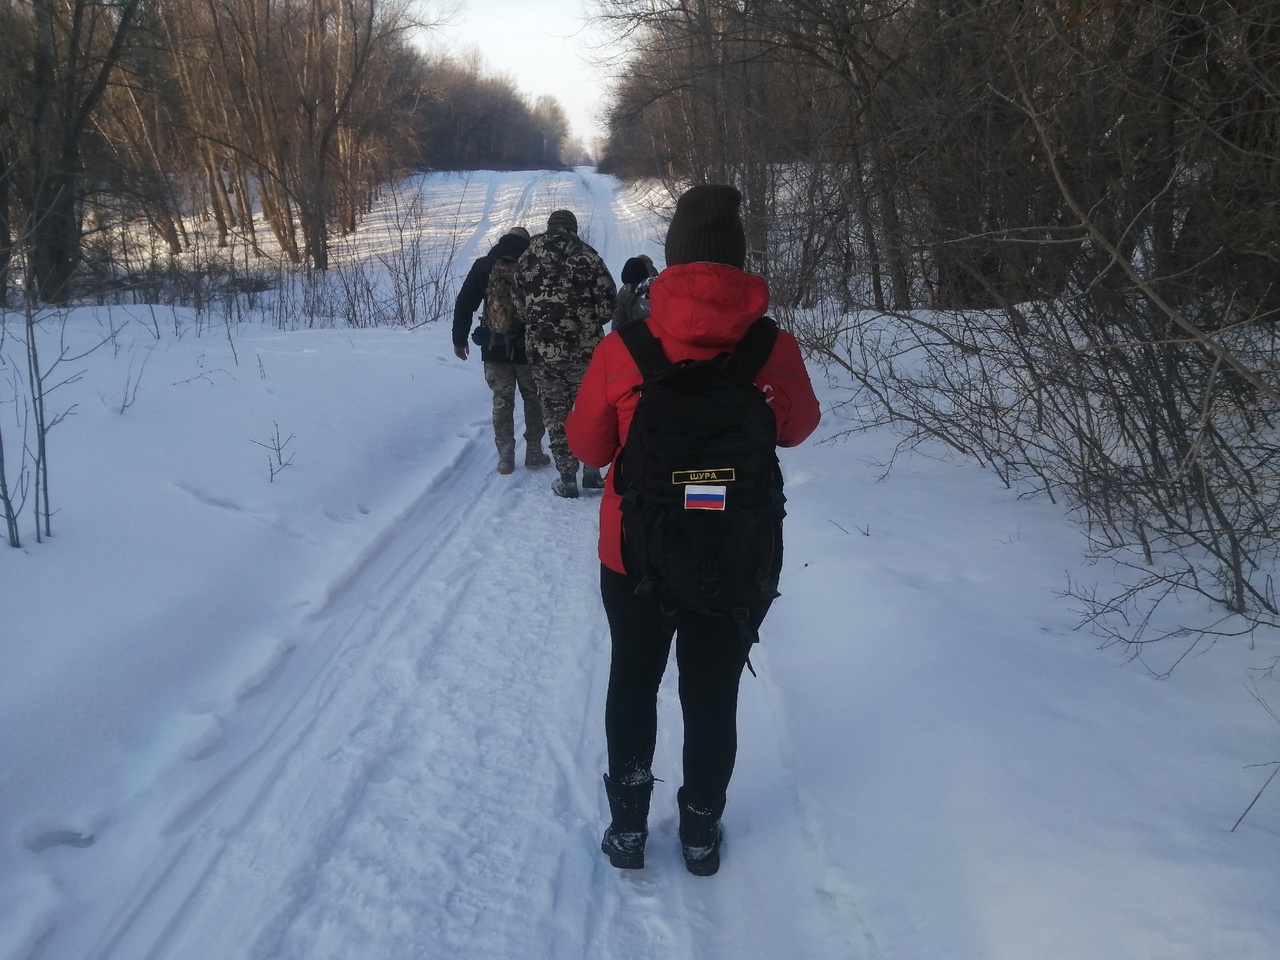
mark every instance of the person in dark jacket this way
{"type": "Point", "coordinates": [633, 296]}
{"type": "Point", "coordinates": [506, 365]}
{"type": "Point", "coordinates": [702, 304]}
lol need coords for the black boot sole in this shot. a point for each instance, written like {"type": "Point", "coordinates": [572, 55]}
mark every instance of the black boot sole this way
{"type": "Point", "coordinates": [704, 867]}
{"type": "Point", "coordinates": [622, 859]}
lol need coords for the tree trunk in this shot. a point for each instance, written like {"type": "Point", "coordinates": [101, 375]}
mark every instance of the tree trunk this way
{"type": "Point", "coordinates": [53, 234]}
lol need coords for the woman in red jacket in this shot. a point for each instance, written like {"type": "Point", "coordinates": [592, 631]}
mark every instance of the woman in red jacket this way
{"type": "Point", "coordinates": [700, 306]}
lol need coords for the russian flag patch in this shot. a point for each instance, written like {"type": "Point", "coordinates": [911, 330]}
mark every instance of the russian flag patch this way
{"type": "Point", "coordinates": [698, 497]}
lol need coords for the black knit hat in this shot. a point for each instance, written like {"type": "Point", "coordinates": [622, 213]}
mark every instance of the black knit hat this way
{"type": "Point", "coordinates": [706, 226]}
{"type": "Point", "coordinates": [562, 220]}
{"type": "Point", "coordinates": [637, 269]}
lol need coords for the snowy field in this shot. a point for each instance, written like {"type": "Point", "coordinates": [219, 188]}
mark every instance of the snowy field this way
{"type": "Point", "coordinates": [355, 709]}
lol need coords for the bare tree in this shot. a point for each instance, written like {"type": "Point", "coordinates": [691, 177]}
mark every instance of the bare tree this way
{"type": "Point", "coordinates": [12, 494]}
{"type": "Point", "coordinates": [75, 47]}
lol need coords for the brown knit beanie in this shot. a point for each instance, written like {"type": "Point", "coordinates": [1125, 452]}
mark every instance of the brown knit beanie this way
{"type": "Point", "coordinates": [706, 226]}
{"type": "Point", "coordinates": [562, 220]}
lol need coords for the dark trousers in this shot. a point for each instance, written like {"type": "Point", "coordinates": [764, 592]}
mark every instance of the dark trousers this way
{"type": "Point", "coordinates": [710, 656]}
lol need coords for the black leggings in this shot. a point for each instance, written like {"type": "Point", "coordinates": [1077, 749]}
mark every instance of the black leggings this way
{"type": "Point", "coordinates": [710, 655]}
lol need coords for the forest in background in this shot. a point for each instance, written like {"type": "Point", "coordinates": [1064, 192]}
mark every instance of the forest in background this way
{"type": "Point", "coordinates": [278, 115]}
{"type": "Point", "coordinates": [1042, 233]}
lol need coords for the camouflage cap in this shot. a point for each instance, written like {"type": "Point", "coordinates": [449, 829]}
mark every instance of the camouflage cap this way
{"type": "Point", "coordinates": [562, 220]}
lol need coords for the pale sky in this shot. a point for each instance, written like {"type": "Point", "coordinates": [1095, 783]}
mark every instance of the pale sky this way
{"type": "Point", "coordinates": [545, 45]}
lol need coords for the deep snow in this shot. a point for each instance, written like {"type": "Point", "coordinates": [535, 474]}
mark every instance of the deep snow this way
{"type": "Point", "coordinates": [356, 710]}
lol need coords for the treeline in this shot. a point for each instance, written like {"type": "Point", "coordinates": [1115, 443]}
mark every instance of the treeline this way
{"type": "Point", "coordinates": [481, 121]}
{"type": "Point", "coordinates": [283, 115]}
{"type": "Point", "coordinates": [1082, 195]}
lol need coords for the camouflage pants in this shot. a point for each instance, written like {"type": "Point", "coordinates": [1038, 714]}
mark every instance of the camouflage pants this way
{"type": "Point", "coordinates": [503, 378]}
{"type": "Point", "coordinates": [558, 383]}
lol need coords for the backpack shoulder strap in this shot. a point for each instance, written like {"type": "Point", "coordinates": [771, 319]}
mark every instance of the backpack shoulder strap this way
{"type": "Point", "coordinates": [750, 355]}
{"type": "Point", "coordinates": [645, 349]}
{"type": "Point", "coordinates": [753, 350]}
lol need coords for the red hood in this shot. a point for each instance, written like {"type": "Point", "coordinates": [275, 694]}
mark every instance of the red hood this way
{"type": "Point", "coordinates": [706, 304]}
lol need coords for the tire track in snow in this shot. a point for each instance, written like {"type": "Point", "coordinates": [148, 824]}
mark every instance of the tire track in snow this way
{"type": "Point", "coordinates": [618, 228]}
{"type": "Point", "coordinates": [229, 822]}
{"type": "Point", "coordinates": [519, 212]}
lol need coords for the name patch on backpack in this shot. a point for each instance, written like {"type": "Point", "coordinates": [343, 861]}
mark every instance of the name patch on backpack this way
{"type": "Point", "coordinates": [722, 475]}
{"type": "Point", "coordinates": [697, 497]}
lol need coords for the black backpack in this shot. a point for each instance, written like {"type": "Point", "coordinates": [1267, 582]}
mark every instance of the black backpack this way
{"type": "Point", "coordinates": [702, 501]}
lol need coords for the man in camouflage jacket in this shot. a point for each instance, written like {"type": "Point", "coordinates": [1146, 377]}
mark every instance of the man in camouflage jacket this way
{"type": "Point", "coordinates": [565, 295]}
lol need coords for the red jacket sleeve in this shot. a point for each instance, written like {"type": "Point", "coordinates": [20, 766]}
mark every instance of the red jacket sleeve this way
{"type": "Point", "coordinates": [592, 425]}
{"type": "Point", "coordinates": [786, 384]}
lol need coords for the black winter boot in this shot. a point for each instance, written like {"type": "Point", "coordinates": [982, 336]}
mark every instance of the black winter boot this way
{"type": "Point", "coordinates": [700, 835]}
{"type": "Point", "coordinates": [624, 840]}
{"type": "Point", "coordinates": [591, 479]}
